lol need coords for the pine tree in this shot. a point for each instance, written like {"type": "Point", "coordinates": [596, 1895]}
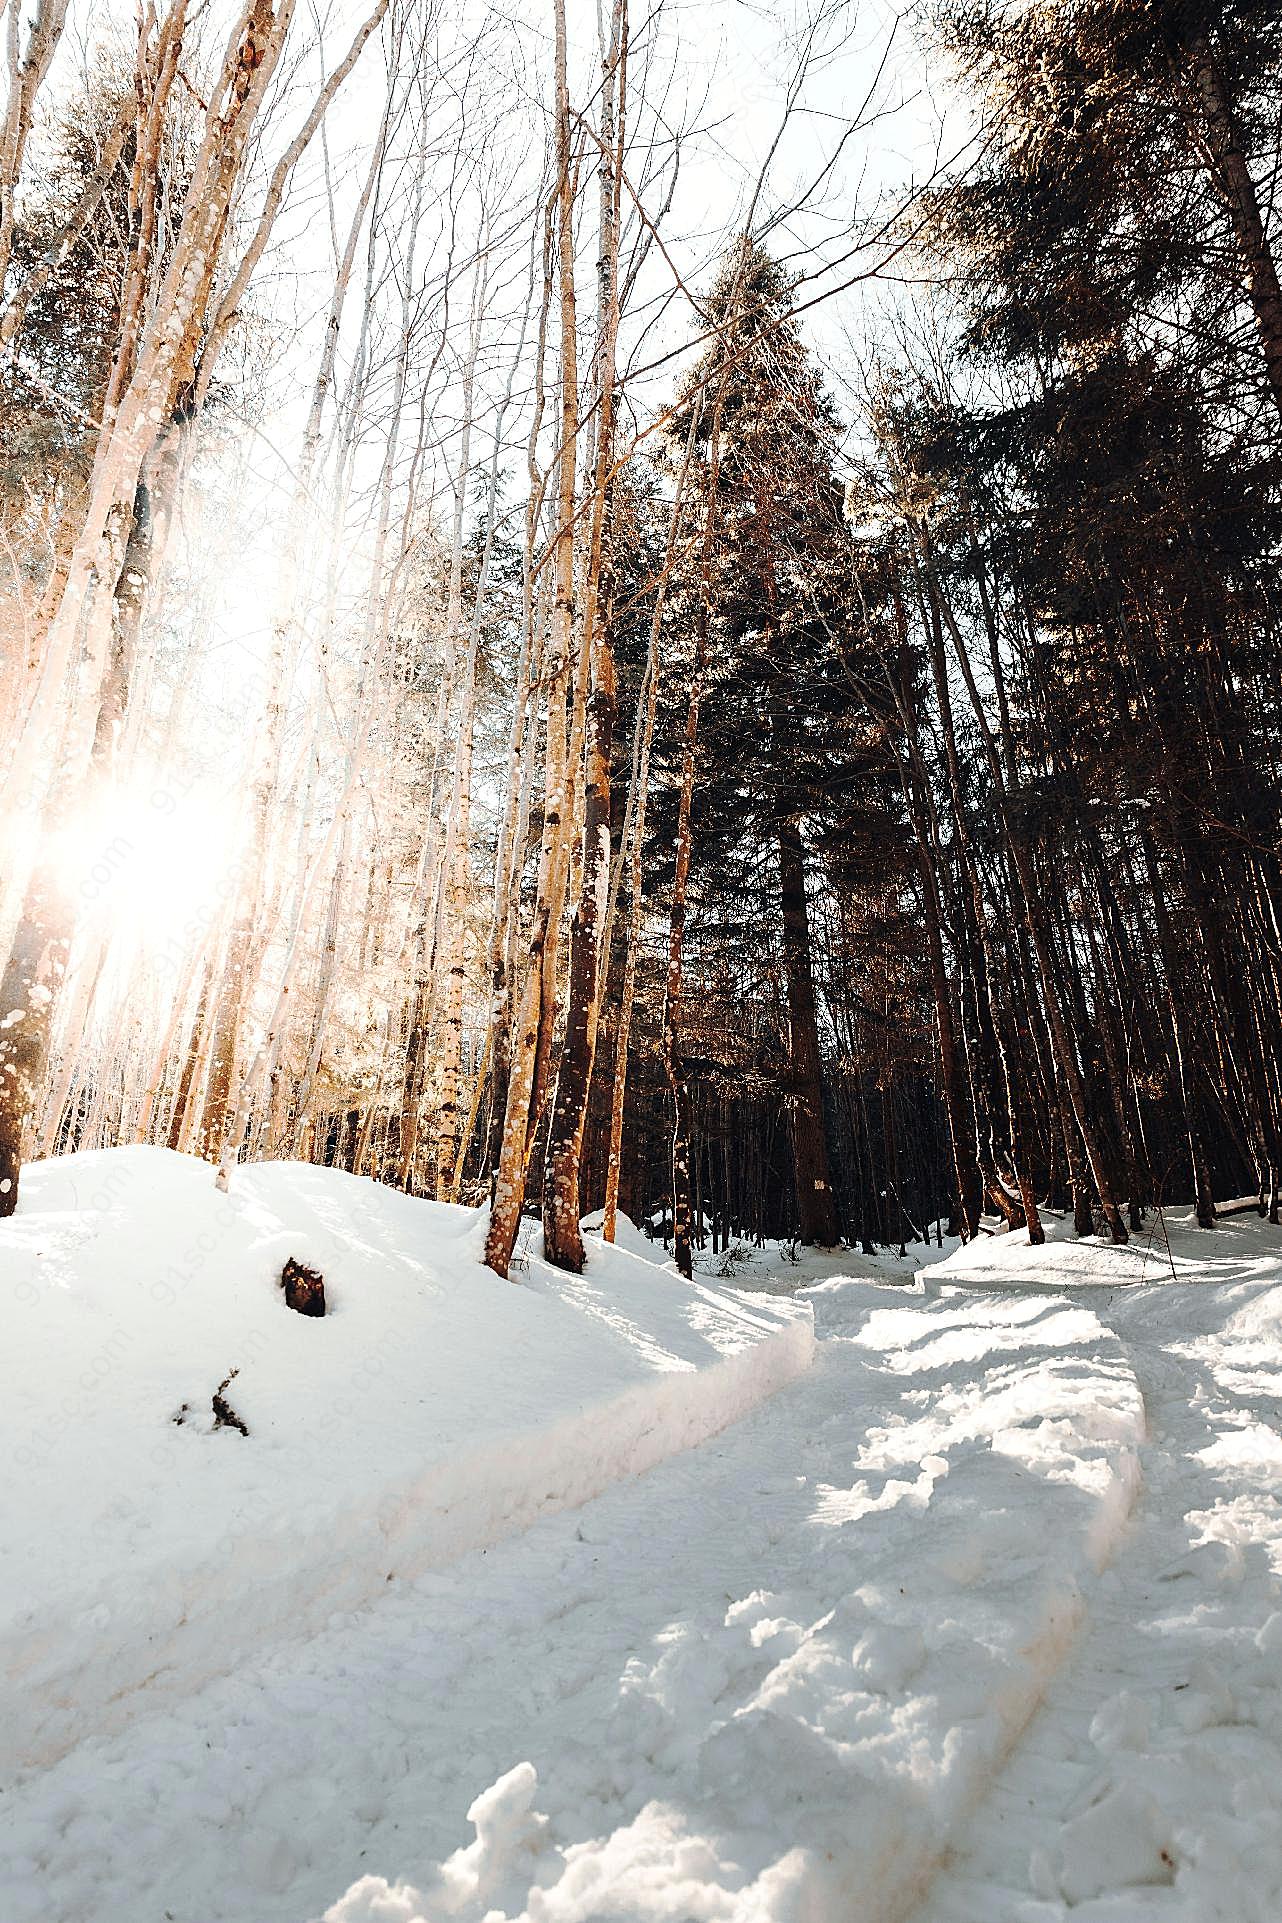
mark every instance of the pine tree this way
{"type": "Point", "coordinates": [780, 733]}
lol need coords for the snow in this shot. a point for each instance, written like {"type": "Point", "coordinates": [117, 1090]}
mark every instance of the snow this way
{"type": "Point", "coordinates": [1149, 1789]}
{"type": "Point", "coordinates": [980, 1616]}
{"type": "Point", "coordinates": [433, 1411]}
{"type": "Point", "coordinates": [957, 1473]}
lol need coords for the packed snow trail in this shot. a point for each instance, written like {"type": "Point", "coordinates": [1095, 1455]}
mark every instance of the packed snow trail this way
{"type": "Point", "coordinates": [1149, 1788]}
{"type": "Point", "coordinates": [765, 1680]}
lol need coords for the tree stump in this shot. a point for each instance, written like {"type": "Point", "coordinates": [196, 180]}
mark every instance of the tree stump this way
{"type": "Point", "coordinates": [304, 1288]}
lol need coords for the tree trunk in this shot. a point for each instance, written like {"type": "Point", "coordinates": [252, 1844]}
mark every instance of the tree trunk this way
{"type": "Point", "coordinates": [531, 1041]}
{"type": "Point", "coordinates": [816, 1204]}
{"type": "Point", "coordinates": [1232, 177]}
{"type": "Point", "coordinates": [562, 1239]}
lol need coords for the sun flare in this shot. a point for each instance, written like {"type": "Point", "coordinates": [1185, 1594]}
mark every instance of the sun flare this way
{"type": "Point", "coordinates": [152, 863]}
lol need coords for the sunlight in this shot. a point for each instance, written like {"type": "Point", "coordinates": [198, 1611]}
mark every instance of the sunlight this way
{"type": "Point", "coordinates": [154, 864]}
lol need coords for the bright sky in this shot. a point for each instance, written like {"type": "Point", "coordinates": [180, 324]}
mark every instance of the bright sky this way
{"type": "Point", "coordinates": [865, 119]}
{"type": "Point", "coordinates": [718, 73]}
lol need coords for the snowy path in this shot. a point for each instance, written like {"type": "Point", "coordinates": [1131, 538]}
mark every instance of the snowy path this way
{"type": "Point", "coordinates": [765, 1680]}
{"type": "Point", "coordinates": [1149, 1788]}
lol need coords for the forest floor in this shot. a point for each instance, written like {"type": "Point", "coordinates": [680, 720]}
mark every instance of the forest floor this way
{"type": "Point", "coordinates": [977, 1619]}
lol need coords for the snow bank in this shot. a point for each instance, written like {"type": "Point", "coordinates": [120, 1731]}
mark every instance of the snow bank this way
{"type": "Point", "coordinates": [781, 1268]}
{"type": "Point", "coordinates": [435, 1410]}
{"type": "Point", "coordinates": [803, 1750]}
{"type": "Point", "coordinates": [1171, 1248]}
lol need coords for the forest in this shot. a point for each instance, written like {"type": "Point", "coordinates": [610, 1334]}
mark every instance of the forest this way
{"type": "Point", "coordinates": [557, 674]}
{"type": "Point", "coordinates": [640, 961]}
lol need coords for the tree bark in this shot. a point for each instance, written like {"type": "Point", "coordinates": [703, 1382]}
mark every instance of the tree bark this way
{"type": "Point", "coordinates": [531, 1042]}
{"type": "Point", "coordinates": [562, 1239]}
{"type": "Point", "coordinates": [1231, 175]}
{"type": "Point", "coordinates": [816, 1204]}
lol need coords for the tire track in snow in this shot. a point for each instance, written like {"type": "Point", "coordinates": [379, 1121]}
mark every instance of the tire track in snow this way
{"type": "Point", "coordinates": [818, 1761]}
{"type": "Point", "coordinates": [1149, 1785]}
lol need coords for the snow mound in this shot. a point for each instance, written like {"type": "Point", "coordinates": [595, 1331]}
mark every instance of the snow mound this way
{"type": "Point", "coordinates": [150, 1545]}
{"type": "Point", "coordinates": [1169, 1248]}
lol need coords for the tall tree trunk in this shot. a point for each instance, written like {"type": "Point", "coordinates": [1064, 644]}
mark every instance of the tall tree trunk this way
{"type": "Point", "coordinates": [634, 840]}
{"type": "Point", "coordinates": [562, 1239]}
{"type": "Point", "coordinates": [531, 1040]}
{"type": "Point", "coordinates": [1227, 165]}
{"type": "Point", "coordinates": [674, 1065]}
{"type": "Point", "coordinates": [816, 1204]}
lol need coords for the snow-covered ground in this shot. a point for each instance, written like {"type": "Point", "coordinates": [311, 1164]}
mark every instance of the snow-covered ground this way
{"type": "Point", "coordinates": [976, 1620]}
{"type": "Point", "coordinates": [1150, 1788]}
{"type": "Point", "coordinates": [435, 1409]}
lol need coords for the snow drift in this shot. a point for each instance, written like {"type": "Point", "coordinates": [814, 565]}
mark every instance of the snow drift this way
{"type": "Point", "coordinates": [433, 1411]}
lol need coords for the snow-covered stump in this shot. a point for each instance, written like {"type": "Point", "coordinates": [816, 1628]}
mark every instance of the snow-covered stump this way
{"type": "Point", "coordinates": [304, 1288]}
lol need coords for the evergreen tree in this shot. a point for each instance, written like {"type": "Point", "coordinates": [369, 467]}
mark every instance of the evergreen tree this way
{"type": "Point", "coordinates": [788, 755]}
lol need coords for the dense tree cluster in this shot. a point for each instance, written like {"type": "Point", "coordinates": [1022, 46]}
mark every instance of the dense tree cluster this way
{"type": "Point", "coordinates": [1029, 683]}
{"type": "Point", "coordinates": [806, 804]}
